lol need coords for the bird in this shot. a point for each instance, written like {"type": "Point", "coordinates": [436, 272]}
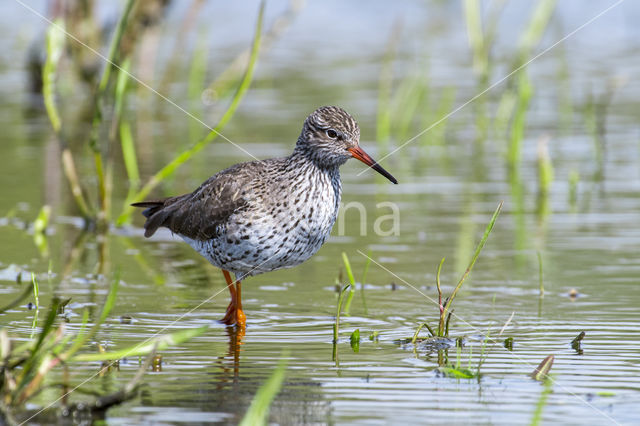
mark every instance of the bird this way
{"type": "Point", "coordinates": [264, 215]}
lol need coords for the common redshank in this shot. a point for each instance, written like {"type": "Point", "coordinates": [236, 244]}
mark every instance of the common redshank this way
{"type": "Point", "coordinates": [265, 215]}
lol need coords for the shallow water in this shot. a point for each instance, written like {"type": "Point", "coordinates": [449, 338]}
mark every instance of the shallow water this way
{"type": "Point", "coordinates": [446, 196]}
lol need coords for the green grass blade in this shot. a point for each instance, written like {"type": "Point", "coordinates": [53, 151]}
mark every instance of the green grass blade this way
{"type": "Point", "coordinates": [113, 47]}
{"type": "Point", "coordinates": [75, 337]}
{"type": "Point", "coordinates": [485, 236]}
{"type": "Point", "coordinates": [108, 305]}
{"type": "Point", "coordinates": [196, 82]}
{"type": "Point", "coordinates": [347, 266]}
{"type": "Point", "coordinates": [540, 274]}
{"type": "Point", "coordinates": [545, 167]}
{"type": "Point", "coordinates": [441, 324]}
{"type": "Point", "coordinates": [352, 281]}
{"type": "Point", "coordinates": [364, 281]}
{"type": "Point", "coordinates": [129, 153]}
{"type": "Point", "coordinates": [542, 402]}
{"type": "Point", "coordinates": [47, 326]}
{"type": "Point", "coordinates": [36, 292]}
{"type": "Point", "coordinates": [185, 156]}
{"type": "Point", "coordinates": [55, 49]}
{"type": "Point", "coordinates": [29, 371]}
{"type": "Point", "coordinates": [258, 412]}
{"type": "Point", "coordinates": [473, 19]}
{"type": "Point", "coordinates": [445, 106]}
{"type": "Point", "coordinates": [539, 22]}
{"type": "Point", "coordinates": [414, 339]}
{"type": "Point", "coordinates": [518, 126]}
{"type": "Point", "coordinates": [481, 244]}
{"type": "Point", "coordinates": [120, 95]}
{"type": "Point", "coordinates": [111, 298]}
{"type": "Point", "coordinates": [99, 97]}
{"type": "Point", "coordinates": [162, 342]}
{"type": "Point", "coordinates": [383, 121]}
{"type": "Point", "coordinates": [336, 324]}
{"type": "Point", "coordinates": [40, 226]}
{"type": "Point", "coordinates": [366, 267]}
{"type": "Point", "coordinates": [15, 302]}
{"type": "Point", "coordinates": [406, 101]}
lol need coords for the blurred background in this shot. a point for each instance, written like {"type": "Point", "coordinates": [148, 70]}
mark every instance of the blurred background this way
{"type": "Point", "coordinates": [466, 103]}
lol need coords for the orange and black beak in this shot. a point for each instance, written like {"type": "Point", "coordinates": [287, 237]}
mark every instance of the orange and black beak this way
{"type": "Point", "coordinates": [359, 153]}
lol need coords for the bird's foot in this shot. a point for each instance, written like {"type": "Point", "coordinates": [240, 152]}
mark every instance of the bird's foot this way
{"type": "Point", "coordinates": [234, 316]}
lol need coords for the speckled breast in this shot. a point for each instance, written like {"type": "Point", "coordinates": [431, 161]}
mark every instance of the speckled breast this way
{"type": "Point", "coordinates": [284, 232]}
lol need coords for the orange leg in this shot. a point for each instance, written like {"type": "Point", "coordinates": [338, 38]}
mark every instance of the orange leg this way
{"type": "Point", "coordinates": [234, 314]}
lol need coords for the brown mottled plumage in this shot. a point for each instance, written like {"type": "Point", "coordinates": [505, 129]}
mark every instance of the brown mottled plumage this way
{"type": "Point", "coordinates": [265, 215]}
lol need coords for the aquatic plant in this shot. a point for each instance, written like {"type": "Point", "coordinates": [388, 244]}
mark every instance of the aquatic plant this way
{"type": "Point", "coordinates": [445, 307]}
{"type": "Point", "coordinates": [109, 105]}
{"type": "Point", "coordinates": [24, 367]}
{"type": "Point", "coordinates": [457, 371]}
{"type": "Point", "coordinates": [541, 282]}
{"type": "Point", "coordinates": [214, 132]}
{"type": "Point", "coordinates": [336, 323]}
{"type": "Point", "coordinates": [354, 340]}
{"type": "Point", "coordinates": [542, 402]}
{"type": "Point", "coordinates": [352, 281]}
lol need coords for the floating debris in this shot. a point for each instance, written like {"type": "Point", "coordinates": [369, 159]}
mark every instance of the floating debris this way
{"type": "Point", "coordinates": [542, 370]}
{"type": "Point", "coordinates": [156, 363]}
{"type": "Point", "coordinates": [576, 342]}
{"type": "Point", "coordinates": [508, 343]}
{"type": "Point", "coordinates": [427, 344]}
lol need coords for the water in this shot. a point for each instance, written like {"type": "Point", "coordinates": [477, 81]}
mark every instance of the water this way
{"type": "Point", "coordinates": [446, 196]}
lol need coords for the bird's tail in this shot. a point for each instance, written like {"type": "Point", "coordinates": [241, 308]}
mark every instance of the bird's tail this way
{"type": "Point", "coordinates": [155, 214]}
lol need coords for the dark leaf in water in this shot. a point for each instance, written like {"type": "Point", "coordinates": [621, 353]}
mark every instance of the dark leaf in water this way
{"type": "Point", "coordinates": [508, 343]}
{"type": "Point", "coordinates": [63, 304]}
{"type": "Point", "coordinates": [578, 339]}
{"type": "Point", "coordinates": [575, 343]}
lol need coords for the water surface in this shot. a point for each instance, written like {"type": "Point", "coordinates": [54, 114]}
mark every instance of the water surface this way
{"type": "Point", "coordinates": [446, 195]}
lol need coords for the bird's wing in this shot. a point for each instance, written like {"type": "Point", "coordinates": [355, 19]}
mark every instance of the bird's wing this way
{"type": "Point", "coordinates": [199, 214]}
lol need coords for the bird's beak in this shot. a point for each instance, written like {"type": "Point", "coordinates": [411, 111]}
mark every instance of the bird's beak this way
{"type": "Point", "coordinates": [359, 153]}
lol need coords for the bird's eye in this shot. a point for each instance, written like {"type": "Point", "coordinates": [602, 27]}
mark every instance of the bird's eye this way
{"type": "Point", "coordinates": [332, 133]}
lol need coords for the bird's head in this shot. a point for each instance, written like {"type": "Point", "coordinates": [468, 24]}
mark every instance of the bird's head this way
{"type": "Point", "coordinates": [330, 136]}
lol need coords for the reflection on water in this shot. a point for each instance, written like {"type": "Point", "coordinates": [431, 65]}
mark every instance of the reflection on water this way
{"type": "Point", "coordinates": [585, 227]}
